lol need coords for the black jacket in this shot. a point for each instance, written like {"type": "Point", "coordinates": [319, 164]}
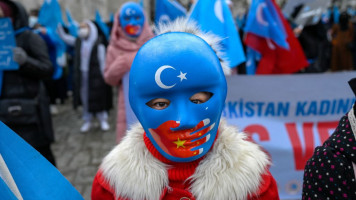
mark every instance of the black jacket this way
{"type": "Point", "coordinates": [24, 105]}
{"type": "Point", "coordinates": [100, 93]}
{"type": "Point", "coordinates": [330, 172]}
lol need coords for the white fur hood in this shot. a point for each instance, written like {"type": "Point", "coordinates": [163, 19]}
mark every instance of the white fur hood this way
{"type": "Point", "coordinates": [231, 170]}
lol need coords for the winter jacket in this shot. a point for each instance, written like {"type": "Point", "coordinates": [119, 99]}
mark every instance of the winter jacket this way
{"type": "Point", "coordinates": [341, 56]}
{"type": "Point", "coordinates": [120, 55]}
{"type": "Point", "coordinates": [234, 169]}
{"type": "Point", "coordinates": [100, 94]}
{"type": "Point", "coordinates": [330, 173]}
{"type": "Point", "coordinates": [24, 105]}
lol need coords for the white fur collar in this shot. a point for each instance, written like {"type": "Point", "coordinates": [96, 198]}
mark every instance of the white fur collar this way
{"type": "Point", "coordinates": [231, 170]}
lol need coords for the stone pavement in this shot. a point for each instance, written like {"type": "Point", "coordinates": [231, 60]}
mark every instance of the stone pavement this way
{"type": "Point", "coordinates": [78, 155]}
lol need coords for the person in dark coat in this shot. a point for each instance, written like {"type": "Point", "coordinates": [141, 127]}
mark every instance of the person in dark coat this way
{"type": "Point", "coordinates": [90, 89]}
{"type": "Point", "coordinates": [343, 35]}
{"type": "Point", "coordinates": [24, 105]}
{"type": "Point", "coordinates": [330, 172]}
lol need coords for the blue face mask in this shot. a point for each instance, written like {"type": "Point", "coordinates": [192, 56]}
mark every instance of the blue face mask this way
{"type": "Point", "coordinates": [132, 19]}
{"type": "Point", "coordinates": [176, 67]}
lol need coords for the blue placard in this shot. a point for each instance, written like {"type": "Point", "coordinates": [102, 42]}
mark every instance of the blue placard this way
{"type": "Point", "coordinates": [7, 43]}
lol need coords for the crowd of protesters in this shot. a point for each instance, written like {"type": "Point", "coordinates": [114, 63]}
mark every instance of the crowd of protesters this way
{"type": "Point", "coordinates": [94, 64]}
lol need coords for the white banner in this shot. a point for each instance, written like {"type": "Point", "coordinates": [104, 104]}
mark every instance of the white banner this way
{"type": "Point", "coordinates": [288, 115]}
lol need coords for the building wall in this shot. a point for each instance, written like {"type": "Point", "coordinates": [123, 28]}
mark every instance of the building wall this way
{"type": "Point", "coordinates": [85, 9]}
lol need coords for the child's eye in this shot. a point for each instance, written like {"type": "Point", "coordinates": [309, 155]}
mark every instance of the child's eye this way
{"type": "Point", "coordinates": [196, 101]}
{"type": "Point", "coordinates": [159, 103]}
{"type": "Point", "coordinates": [201, 97]}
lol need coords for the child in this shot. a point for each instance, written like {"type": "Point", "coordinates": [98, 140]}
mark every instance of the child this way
{"type": "Point", "coordinates": [130, 31]}
{"type": "Point", "coordinates": [181, 149]}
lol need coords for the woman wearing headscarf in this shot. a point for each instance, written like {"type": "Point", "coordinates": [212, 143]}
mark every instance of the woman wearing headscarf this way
{"type": "Point", "coordinates": [130, 31]}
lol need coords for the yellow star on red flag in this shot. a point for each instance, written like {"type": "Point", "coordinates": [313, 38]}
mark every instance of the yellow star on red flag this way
{"type": "Point", "coordinates": [180, 143]}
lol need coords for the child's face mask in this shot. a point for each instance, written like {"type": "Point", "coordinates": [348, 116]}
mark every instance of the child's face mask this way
{"type": "Point", "coordinates": [132, 19]}
{"type": "Point", "coordinates": [177, 91]}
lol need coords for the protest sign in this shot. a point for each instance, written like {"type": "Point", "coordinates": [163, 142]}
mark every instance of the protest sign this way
{"type": "Point", "coordinates": [288, 115]}
{"type": "Point", "coordinates": [7, 43]}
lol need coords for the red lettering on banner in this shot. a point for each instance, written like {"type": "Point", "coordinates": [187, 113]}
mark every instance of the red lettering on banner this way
{"type": "Point", "coordinates": [300, 158]}
{"type": "Point", "coordinates": [301, 155]}
{"type": "Point", "coordinates": [260, 130]}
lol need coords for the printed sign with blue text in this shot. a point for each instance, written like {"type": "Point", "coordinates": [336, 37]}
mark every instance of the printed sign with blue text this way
{"type": "Point", "coordinates": [7, 43]}
{"type": "Point", "coordinates": [289, 115]}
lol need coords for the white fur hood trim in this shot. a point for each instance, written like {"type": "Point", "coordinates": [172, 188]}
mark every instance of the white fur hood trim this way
{"type": "Point", "coordinates": [231, 170]}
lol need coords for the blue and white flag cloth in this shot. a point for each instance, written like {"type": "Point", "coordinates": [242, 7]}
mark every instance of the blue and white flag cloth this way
{"type": "Point", "coordinates": [168, 10]}
{"type": "Point", "coordinates": [26, 174]}
{"type": "Point", "coordinates": [252, 57]}
{"type": "Point", "coordinates": [103, 27]}
{"type": "Point", "coordinates": [50, 16]}
{"type": "Point", "coordinates": [72, 25]}
{"type": "Point", "coordinates": [263, 20]}
{"type": "Point", "coordinates": [215, 16]}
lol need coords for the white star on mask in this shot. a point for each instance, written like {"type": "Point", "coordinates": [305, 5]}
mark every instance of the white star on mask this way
{"type": "Point", "coordinates": [182, 76]}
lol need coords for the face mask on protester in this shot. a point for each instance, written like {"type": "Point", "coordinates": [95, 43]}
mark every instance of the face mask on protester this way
{"type": "Point", "coordinates": [183, 66]}
{"type": "Point", "coordinates": [83, 32]}
{"type": "Point", "coordinates": [132, 19]}
{"type": "Point", "coordinates": [32, 21]}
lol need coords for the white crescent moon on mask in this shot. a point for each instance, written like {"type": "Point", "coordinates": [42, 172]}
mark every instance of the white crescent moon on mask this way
{"type": "Point", "coordinates": [158, 77]}
{"type": "Point", "coordinates": [128, 11]}
{"type": "Point", "coordinates": [219, 11]}
{"type": "Point", "coordinates": [259, 14]}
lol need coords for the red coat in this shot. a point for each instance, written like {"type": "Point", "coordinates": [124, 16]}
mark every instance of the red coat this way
{"type": "Point", "coordinates": [135, 169]}
{"type": "Point", "coordinates": [102, 191]}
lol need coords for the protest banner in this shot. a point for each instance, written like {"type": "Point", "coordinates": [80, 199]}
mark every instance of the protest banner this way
{"type": "Point", "coordinates": [288, 115]}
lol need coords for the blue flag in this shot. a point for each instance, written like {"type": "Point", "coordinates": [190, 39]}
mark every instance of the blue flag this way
{"type": "Point", "coordinates": [263, 20]}
{"type": "Point", "coordinates": [30, 173]}
{"type": "Point", "coordinates": [112, 16]}
{"type": "Point", "coordinates": [103, 27]}
{"type": "Point", "coordinates": [168, 10]}
{"type": "Point", "coordinates": [336, 13]}
{"type": "Point", "coordinates": [215, 16]}
{"type": "Point", "coordinates": [5, 191]}
{"type": "Point", "coordinates": [251, 57]}
{"type": "Point", "coordinates": [50, 16]}
{"type": "Point", "coordinates": [73, 26]}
